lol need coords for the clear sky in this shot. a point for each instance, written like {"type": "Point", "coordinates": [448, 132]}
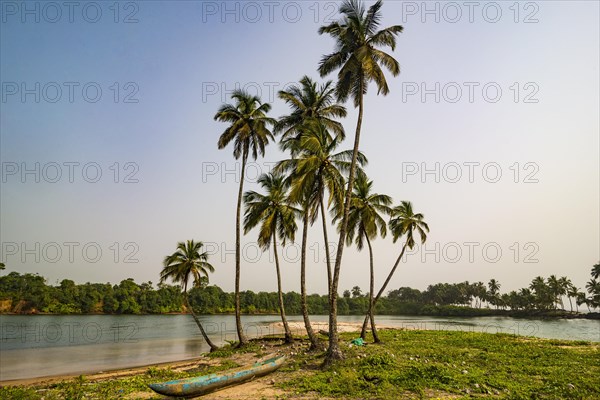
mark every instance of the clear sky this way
{"type": "Point", "coordinates": [109, 155]}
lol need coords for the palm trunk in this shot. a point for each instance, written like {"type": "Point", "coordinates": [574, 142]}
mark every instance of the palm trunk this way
{"type": "Point", "coordinates": [371, 310]}
{"type": "Point", "coordinates": [238, 319]}
{"type": "Point", "coordinates": [213, 346]}
{"type": "Point", "coordinates": [286, 327]}
{"type": "Point", "coordinates": [387, 280]}
{"type": "Point", "coordinates": [326, 240]}
{"type": "Point", "coordinates": [334, 352]}
{"type": "Point", "coordinates": [314, 342]}
{"type": "Point", "coordinates": [570, 303]}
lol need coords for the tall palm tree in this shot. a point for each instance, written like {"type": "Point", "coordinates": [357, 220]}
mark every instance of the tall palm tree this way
{"type": "Point", "coordinates": [555, 289]}
{"type": "Point", "coordinates": [404, 222]}
{"type": "Point", "coordinates": [189, 261]}
{"type": "Point", "coordinates": [359, 60]}
{"type": "Point", "coordinates": [494, 287]}
{"type": "Point", "coordinates": [317, 168]}
{"type": "Point", "coordinates": [364, 223]}
{"type": "Point", "coordinates": [480, 292]}
{"type": "Point", "coordinates": [308, 100]}
{"type": "Point", "coordinates": [314, 169]}
{"type": "Point", "coordinates": [249, 132]}
{"type": "Point", "coordinates": [542, 293]}
{"type": "Point", "coordinates": [572, 294]}
{"type": "Point", "coordinates": [564, 285]}
{"type": "Point", "coordinates": [277, 218]}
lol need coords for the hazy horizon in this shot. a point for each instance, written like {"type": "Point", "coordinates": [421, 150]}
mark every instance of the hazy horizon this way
{"type": "Point", "coordinates": [109, 147]}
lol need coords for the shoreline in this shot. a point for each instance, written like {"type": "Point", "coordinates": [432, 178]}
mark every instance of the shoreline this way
{"type": "Point", "coordinates": [472, 363]}
{"type": "Point", "coordinates": [343, 327]}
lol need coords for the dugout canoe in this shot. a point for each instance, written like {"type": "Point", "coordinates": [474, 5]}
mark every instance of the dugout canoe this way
{"type": "Point", "coordinates": [197, 386]}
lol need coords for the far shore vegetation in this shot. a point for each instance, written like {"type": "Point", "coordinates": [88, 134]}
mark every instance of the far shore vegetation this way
{"type": "Point", "coordinates": [30, 294]}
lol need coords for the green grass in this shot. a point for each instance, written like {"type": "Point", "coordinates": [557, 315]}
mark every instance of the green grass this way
{"type": "Point", "coordinates": [424, 364]}
{"type": "Point", "coordinates": [409, 364]}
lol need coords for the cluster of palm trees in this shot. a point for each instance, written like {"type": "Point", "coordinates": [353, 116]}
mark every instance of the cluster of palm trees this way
{"type": "Point", "coordinates": [315, 178]}
{"type": "Point", "coordinates": [541, 294]}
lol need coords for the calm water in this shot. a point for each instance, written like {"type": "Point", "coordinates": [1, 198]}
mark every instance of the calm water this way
{"type": "Point", "coordinates": [44, 345]}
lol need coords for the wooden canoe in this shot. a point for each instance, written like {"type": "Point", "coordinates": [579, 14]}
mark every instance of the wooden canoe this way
{"type": "Point", "coordinates": [196, 386]}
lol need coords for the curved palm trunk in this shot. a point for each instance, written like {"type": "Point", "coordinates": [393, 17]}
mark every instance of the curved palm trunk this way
{"type": "Point", "coordinates": [326, 240]}
{"type": "Point", "coordinates": [238, 319]}
{"type": "Point", "coordinates": [314, 342]}
{"type": "Point", "coordinates": [363, 332]}
{"type": "Point", "coordinates": [286, 327]}
{"type": "Point", "coordinates": [213, 346]}
{"type": "Point", "coordinates": [387, 280]}
{"type": "Point", "coordinates": [570, 303]}
{"type": "Point", "coordinates": [334, 352]}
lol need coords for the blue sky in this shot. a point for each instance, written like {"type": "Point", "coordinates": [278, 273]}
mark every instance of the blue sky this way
{"type": "Point", "coordinates": [152, 137]}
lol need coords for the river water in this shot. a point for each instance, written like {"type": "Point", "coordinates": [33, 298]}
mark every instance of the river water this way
{"type": "Point", "coordinates": [46, 345]}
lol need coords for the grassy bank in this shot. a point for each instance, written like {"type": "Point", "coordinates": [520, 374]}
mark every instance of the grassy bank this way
{"type": "Point", "coordinates": [411, 364]}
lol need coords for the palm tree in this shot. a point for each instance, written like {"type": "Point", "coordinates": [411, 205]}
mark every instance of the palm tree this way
{"type": "Point", "coordinates": [404, 222]}
{"type": "Point", "coordinates": [572, 293]}
{"type": "Point", "coordinates": [480, 292]}
{"type": "Point", "coordinates": [364, 222]}
{"type": "Point", "coordinates": [249, 132]}
{"type": "Point", "coordinates": [313, 169]}
{"type": "Point", "coordinates": [276, 218]}
{"type": "Point", "coordinates": [310, 101]}
{"type": "Point", "coordinates": [542, 293]}
{"type": "Point", "coordinates": [358, 58]}
{"type": "Point", "coordinates": [555, 289]}
{"type": "Point", "coordinates": [494, 287]}
{"type": "Point", "coordinates": [527, 297]}
{"type": "Point", "coordinates": [596, 271]}
{"type": "Point", "coordinates": [593, 288]}
{"type": "Point", "coordinates": [564, 284]}
{"type": "Point", "coordinates": [317, 168]}
{"type": "Point", "coordinates": [189, 261]}
{"type": "Point", "coordinates": [581, 299]}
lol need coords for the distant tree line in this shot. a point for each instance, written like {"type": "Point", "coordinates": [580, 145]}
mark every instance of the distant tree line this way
{"type": "Point", "coordinates": [29, 293]}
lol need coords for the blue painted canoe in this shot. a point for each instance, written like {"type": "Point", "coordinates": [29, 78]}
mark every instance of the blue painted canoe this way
{"type": "Point", "coordinates": [192, 387]}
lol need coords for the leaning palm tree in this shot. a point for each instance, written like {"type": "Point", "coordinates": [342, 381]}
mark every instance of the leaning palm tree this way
{"type": "Point", "coordinates": [189, 261]}
{"type": "Point", "coordinates": [564, 284]}
{"type": "Point", "coordinates": [277, 218]}
{"type": "Point", "coordinates": [308, 100]}
{"type": "Point", "coordinates": [572, 293]}
{"type": "Point", "coordinates": [249, 132]}
{"type": "Point", "coordinates": [364, 223]}
{"type": "Point", "coordinates": [404, 222]}
{"type": "Point", "coordinates": [581, 299]}
{"type": "Point", "coordinates": [359, 60]}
